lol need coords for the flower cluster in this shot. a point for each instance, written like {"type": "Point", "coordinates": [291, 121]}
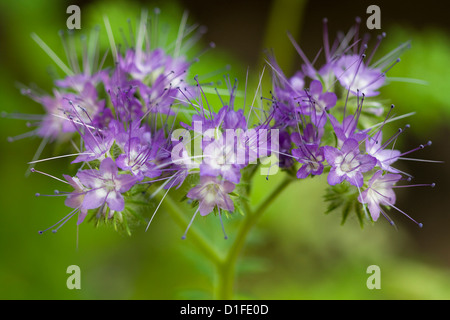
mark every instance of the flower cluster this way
{"type": "Point", "coordinates": [319, 109]}
{"type": "Point", "coordinates": [126, 118]}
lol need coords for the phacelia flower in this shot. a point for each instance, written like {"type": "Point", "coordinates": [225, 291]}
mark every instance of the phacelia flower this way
{"type": "Point", "coordinates": [212, 193]}
{"type": "Point", "coordinates": [355, 76]}
{"type": "Point", "coordinates": [348, 163]}
{"type": "Point", "coordinates": [379, 192]}
{"type": "Point", "coordinates": [316, 103]}
{"type": "Point", "coordinates": [105, 185]}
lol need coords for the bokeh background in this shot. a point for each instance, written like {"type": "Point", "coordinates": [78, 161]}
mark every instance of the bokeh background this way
{"type": "Point", "coordinates": [296, 251]}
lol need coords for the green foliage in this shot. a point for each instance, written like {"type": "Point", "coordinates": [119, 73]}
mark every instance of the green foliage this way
{"type": "Point", "coordinates": [345, 198]}
{"type": "Point", "coordinates": [419, 82]}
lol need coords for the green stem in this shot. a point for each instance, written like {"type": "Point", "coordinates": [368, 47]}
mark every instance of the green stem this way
{"type": "Point", "coordinates": [226, 270]}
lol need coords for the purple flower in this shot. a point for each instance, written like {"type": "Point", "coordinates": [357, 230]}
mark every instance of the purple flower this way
{"type": "Point", "coordinates": [226, 118]}
{"type": "Point", "coordinates": [385, 157]}
{"type": "Point", "coordinates": [180, 164]}
{"type": "Point", "coordinates": [309, 151]}
{"type": "Point", "coordinates": [96, 144]}
{"type": "Point", "coordinates": [348, 163]}
{"type": "Point", "coordinates": [355, 75]}
{"type": "Point", "coordinates": [211, 193]}
{"type": "Point", "coordinates": [75, 199]}
{"type": "Point", "coordinates": [379, 192]}
{"type": "Point", "coordinates": [288, 94]}
{"type": "Point", "coordinates": [138, 159]}
{"type": "Point", "coordinates": [317, 103]}
{"type": "Point", "coordinates": [220, 157]}
{"type": "Point", "coordinates": [57, 108]}
{"type": "Point", "coordinates": [312, 157]}
{"type": "Point", "coordinates": [157, 75]}
{"type": "Point", "coordinates": [79, 81]}
{"type": "Point", "coordinates": [347, 129]}
{"type": "Point", "coordinates": [105, 185]}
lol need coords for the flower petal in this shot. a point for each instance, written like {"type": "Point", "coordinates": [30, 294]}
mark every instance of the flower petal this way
{"type": "Point", "coordinates": [94, 198]}
{"type": "Point", "coordinates": [115, 201]}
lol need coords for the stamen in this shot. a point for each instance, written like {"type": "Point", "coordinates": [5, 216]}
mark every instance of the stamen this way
{"type": "Point", "coordinates": [190, 223]}
{"type": "Point", "coordinates": [379, 39]}
{"type": "Point", "coordinates": [48, 175]}
{"type": "Point", "coordinates": [432, 185]}
{"type": "Point", "coordinates": [62, 221]}
{"type": "Point", "coordinates": [63, 156]}
{"type": "Point", "coordinates": [223, 227]}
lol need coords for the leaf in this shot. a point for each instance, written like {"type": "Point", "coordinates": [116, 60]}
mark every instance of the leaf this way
{"type": "Point", "coordinates": [344, 197]}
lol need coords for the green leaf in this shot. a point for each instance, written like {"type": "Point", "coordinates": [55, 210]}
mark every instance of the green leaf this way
{"type": "Point", "coordinates": [344, 198]}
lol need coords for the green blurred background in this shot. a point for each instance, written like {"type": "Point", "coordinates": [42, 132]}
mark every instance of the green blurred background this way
{"type": "Point", "coordinates": [296, 251]}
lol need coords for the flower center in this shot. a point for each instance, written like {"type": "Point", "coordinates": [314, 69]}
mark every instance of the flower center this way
{"type": "Point", "coordinates": [349, 165]}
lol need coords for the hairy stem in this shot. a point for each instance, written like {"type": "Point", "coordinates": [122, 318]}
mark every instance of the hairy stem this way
{"type": "Point", "coordinates": [227, 269]}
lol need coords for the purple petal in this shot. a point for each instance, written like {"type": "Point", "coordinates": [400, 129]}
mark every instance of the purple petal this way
{"type": "Point", "coordinates": [115, 201]}
{"type": "Point", "coordinates": [207, 170]}
{"type": "Point", "coordinates": [350, 145]}
{"type": "Point", "coordinates": [374, 210]}
{"type": "Point", "coordinates": [333, 178]}
{"type": "Point", "coordinates": [108, 167]}
{"type": "Point", "coordinates": [315, 88]}
{"type": "Point", "coordinates": [329, 99]}
{"type": "Point", "coordinates": [232, 174]}
{"type": "Point", "coordinates": [367, 163]}
{"type": "Point", "coordinates": [74, 200]}
{"type": "Point", "coordinates": [224, 201]}
{"type": "Point", "coordinates": [388, 179]}
{"type": "Point", "coordinates": [125, 182]}
{"type": "Point", "coordinates": [331, 154]}
{"type": "Point", "coordinates": [357, 180]}
{"type": "Point", "coordinates": [122, 162]}
{"type": "Point", "coordinates": [228, 186]}
{"type": "Point", "coordinates": [94, 198]}
{"type": "Point", "coordinates": [90, 178]}
{"type": "Point", "coordinates": [206, 208]}
{"type": "Point", "coordinates": [81, 215]}
{"type": "Point", "coordinates": [303, 172]}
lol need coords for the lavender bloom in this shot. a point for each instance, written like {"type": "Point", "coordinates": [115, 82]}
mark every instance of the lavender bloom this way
{"type": "Point", "coordinates": [75, 199]}
{"type": "Point", "coordinates": [312, 157]}
{"type": "Point", "coordinates": [385, 157]}
{"type": "Point", "coordinates": [97, 145]}
{"type": "Point", "coordinates": [79, 81]}
{"type": "Point", "coordinates": [138, 159]}
{"type": "Point", "coordinates": [105, 185]}
{"type": "Point", "coordinates": [220, 158]}
{"type": "Point", "coordinates": [123, 116]}
{"type": "Point", "coordinates": [211, 193]}
{"type": "Point", "coordinates": [379, 192]}
{"type": "Point", "coordinates": [182, 166]}
{"type": "Point", "coordinates": [285, 146]}
{"type": "Point", "coordinates": [225, 118]}
{"type": "Point", "coordinates": [355, 75]}
{"type": "Point", "coordinates": [123, 94]}
{"type": "Point", "coordinates": [288, 94]}
{"type": "Point", "coordinates": [317, 103]}
{"type": "Point", "coordinates": [57, 108]}
{"type": "Point", "coordinates": [309, 152]}
{"type": "Point", "coordinates": [347, 129]}
{"type": "Point", "coordinates": [158, 76]}
{"type": "Point", "coordinates": [348, 163]}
